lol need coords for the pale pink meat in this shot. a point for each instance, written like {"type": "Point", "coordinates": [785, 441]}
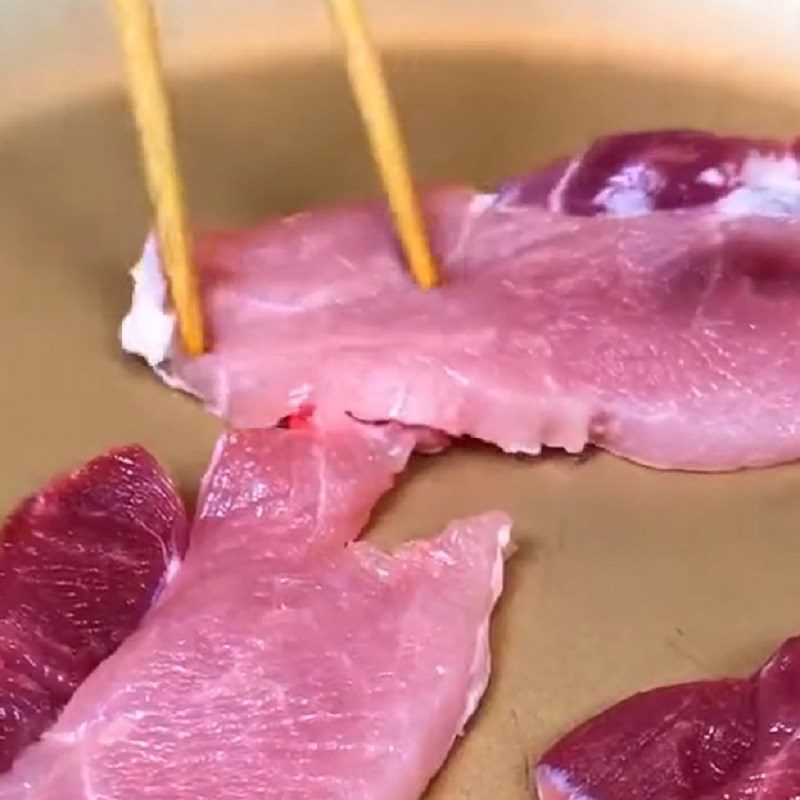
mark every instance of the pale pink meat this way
{"type": "Point", "coordinates": [285, 662]}
{"type": "Point", "coordinates": [665, 329]}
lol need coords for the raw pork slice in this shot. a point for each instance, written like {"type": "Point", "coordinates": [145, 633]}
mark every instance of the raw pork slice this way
{"type": "Point", "coordinates": [285, 663]}
{"type": "Point", "coordinates": [83, 560]}
{"type": "Point", "coordinates": [735, 739]}
{"type": "Point", "coordinates": [670, 335]}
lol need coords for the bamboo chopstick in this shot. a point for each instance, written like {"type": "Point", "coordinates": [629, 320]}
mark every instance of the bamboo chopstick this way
{"type": "Point", "coordinates": [371, 93]}
{"type": "Point", "coordinates": [139, 35]}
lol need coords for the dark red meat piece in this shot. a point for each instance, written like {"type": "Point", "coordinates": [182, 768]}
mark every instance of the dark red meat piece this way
{"type": "Point", "coordinates": [650, 170]}
{"type": "Point", "coordinates": [83, 560]}
{"type": "Point", "coordinates": [732, 739]}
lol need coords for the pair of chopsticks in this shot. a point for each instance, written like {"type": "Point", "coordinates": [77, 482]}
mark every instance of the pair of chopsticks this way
{"type": "Point", "coordinates": [140, 42]}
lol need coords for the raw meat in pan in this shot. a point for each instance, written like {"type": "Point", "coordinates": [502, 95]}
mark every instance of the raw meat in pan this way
{"type": "Point", "coordinates": [671, 337]}
{"type": "Point", "coordinates": [734, 739]}
{"type": "Point", "coordinates": [637, 173]}
{"type": "Point", "coordinates": [285, 662]}
{"type": "Point", "coordinates": [82, 562]}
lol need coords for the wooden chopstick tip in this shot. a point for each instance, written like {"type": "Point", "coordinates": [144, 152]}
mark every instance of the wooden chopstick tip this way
{"type": "Point", "coordinates": [151, 109]}
{"type": "Point", "coordinates": [379, 117]}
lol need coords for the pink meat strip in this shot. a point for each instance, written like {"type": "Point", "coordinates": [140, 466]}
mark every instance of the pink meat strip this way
{"type": "Point", "coordinates": [732, 739]}
{"type": "Point", "coordinates": [286, 662]}
{"type": "Point", "coordinates": [643, 297]}
{"type": "Point", "coordinates": [83, 561]}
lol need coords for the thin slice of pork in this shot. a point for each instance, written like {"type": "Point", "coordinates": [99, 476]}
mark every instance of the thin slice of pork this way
{"type": "Point", "coordinates": [285, 662]}
{"type": "Point", "coordinates": [83, 560]}
{"type": "Point", "coordinates": [665, 329]}
{"type": "Point", "coordinates": [732, 739]}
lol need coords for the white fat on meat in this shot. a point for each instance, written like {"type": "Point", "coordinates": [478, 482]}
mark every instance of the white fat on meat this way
{"type": "Point", "coordinates": [149, 326]}
{"type": "Point", "coordinates": [769, 186]}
